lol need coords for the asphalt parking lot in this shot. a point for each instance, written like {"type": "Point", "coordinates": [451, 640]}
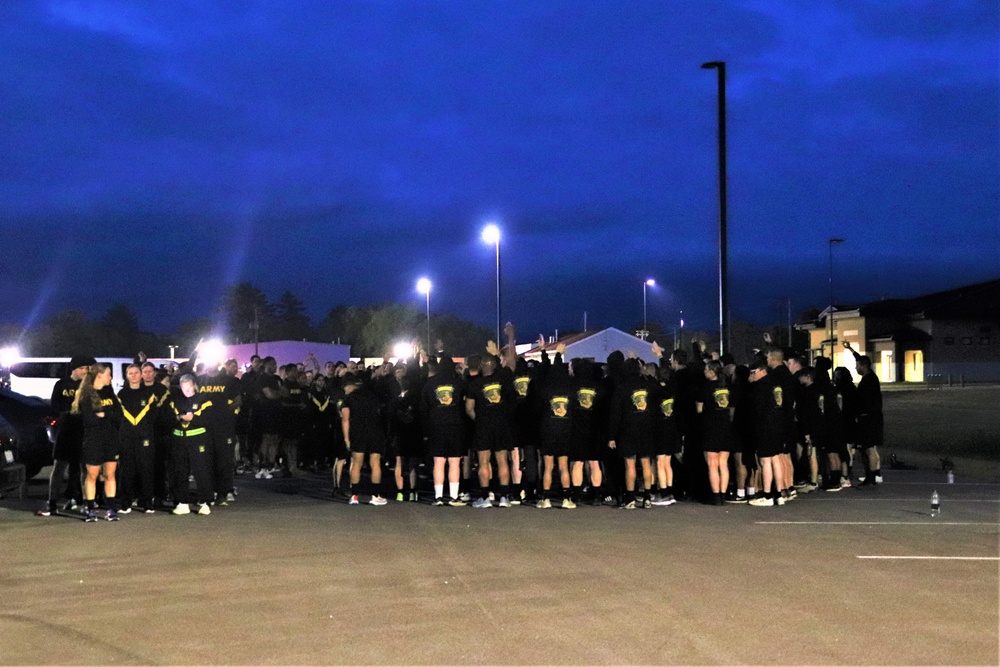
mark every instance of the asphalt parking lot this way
{"type": "Point", "coordinates": [288, 576]}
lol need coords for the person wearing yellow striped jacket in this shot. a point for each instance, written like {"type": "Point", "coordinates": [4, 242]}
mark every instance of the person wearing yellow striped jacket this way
{"type": "Point", "coordinates": [136, 442]}
{"type": "Point", "coordinates": [191, 445]}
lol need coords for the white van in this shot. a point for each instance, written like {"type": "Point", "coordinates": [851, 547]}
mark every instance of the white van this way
{"type": "Point", "coordinates": [36, 376]}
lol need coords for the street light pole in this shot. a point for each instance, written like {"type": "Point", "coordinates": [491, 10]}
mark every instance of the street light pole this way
{"type": "Point", "coordinates": [424, 287]}
{"type": "Point", "coordinates": [724, 342]}
{"type": "Point", "coordinates": [649, 282]}
{"type": "Point", "coordinates": [833, 346]}
{"type": "Point", "coordinates": [491, 234]}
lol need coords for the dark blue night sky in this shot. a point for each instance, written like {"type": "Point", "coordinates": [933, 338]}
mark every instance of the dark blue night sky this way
{"type": "Point", "coordinates": [155, 152]}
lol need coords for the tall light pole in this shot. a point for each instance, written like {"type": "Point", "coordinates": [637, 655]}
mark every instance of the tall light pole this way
{"type": "Point", "coordinates": [649, 282]}
{"type": "Point", "coordinates": [833, 345]}
{"type": "Point", "coordinates": [424, 287]}
{"type": "Point", "coordinates": [491, 235]}
{"type": "Point", "coordinates": [724, 342]}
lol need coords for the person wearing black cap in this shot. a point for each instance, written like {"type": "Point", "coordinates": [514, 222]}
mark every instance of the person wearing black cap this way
{"type": "Point", "coordinates": [364, 435]}
{"type": "Point", "coordinates": [69, 437]}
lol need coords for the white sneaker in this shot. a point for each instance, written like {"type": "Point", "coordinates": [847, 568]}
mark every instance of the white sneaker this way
{"type": "Point", "coordinates": [204, 509]}
{"type": "Point", "coordinates": [378, 501]}
{"type": "Point", "coordinates": [182, 508]}
{"type": "Point", "coordinates": [543, 504]}
{"type": "Point", "coordinates": [568, 504]}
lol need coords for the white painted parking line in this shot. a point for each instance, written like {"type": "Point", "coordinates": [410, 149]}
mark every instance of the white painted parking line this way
{"type": "Point", "coordinates": [876, 523]}
{"type": "Point", "coordinates": [869, 499]}
{"type": "Point", "coordinates": [929, 557]}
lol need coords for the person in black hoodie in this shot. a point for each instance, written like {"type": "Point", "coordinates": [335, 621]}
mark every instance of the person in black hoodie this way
{"type": "Point", "coordinates": [96, 404]}
{"type": "Point", "coordinates": [66, 451]}
{"type": "Point", "coordinates": [191, 444]}
{"type": "Point", "coordinates": [871, 423]}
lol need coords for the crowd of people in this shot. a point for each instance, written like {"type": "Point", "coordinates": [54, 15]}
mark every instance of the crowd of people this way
{"type": "Point", "coordinates": [494, 430]}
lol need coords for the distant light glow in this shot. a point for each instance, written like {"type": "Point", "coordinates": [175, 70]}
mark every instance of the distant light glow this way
{"type": "Point", "coordinates": [402, 350]}
{"type": "Point", "coordinates": [212, 353]}
{"type": "Point", "coordinates": [491, 234]}
{"type": "Point", "coordinates": [424, 286]}
{"type": "Point", "coordinates": [9, 356]}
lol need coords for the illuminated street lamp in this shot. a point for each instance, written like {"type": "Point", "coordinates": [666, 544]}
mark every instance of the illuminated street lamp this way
{"type": "Point", "coordinates": [424, 287]}
{"type": "Point", "coordinates": [491, 236]}
{"type": "Point", "coordinates": [645, 329]}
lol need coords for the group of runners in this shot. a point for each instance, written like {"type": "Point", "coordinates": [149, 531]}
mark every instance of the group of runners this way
{"type": "Point", "coordinates": [495, 430]}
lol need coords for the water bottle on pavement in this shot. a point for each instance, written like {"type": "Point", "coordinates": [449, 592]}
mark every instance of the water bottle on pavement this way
{"type": "Point", "coordinates": [951, 476]}
{"type": "Point", "coordinates": [935, 504]}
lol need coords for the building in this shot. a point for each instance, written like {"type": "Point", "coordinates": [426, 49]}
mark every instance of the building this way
{"type": "Point", "coordinates": [596, 345]}
{"type": "Point", "coordinates": [946, 336]}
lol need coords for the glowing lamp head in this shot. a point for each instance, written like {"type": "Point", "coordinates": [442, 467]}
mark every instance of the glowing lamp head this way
{"type": "Point", "coordinates": [9, 356]}
{"type": "Point", "coordinates": [402, 350]}
{"type": "Point", "coordinates": [212, 353]}
{"type": "Point", "coordinates": [491, 234]}
{"type": "Point", "coordinates": [650, 282]}
{"type": "Point", "coordinates": [424, 286]}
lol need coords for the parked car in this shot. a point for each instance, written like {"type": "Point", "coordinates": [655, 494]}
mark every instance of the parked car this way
{"type": "Point", "coordinates": [35, 424]}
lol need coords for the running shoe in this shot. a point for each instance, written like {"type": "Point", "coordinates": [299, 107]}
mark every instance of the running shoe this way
{"type": "Point", "coordinates": [414, 498]}
{"type": "Point", "coordinates": [230, 497]}
{"type": "Point", "coordinates": [399, 497]}
{"type": "Point", "coordinates": [737, 500]}
{"type": "Point", "coordinates": [878, 479]}
{"type": "Point", "coordinates": [204, 509]}
{"type": "Point", "coordinates": [438, 502]}
{"type": "Point", "coordinates": [630, 505]}
{"type": "Point", "coordinates": [378, 501]}
{"type": "Point", "coordinates": [48, 510]}
{"type": "Point", "coordinates": [465, 497]}
{"type": "Point", "coordinates": [492, 497]}
{"type": "Point", "coordinates": [353, 500]}
{"type": "Point", "coordinates": [146, 510]}
{"type": "Point", "coordinates": [182, 508]}
{"type": "Point", "coordinates": [647, 503]}
{"type": "Point", "coordinates": [71, 505]}
{"type": "Point", "coordinates": [669, 499]}
{"type": "Point", "coordinates": [90, 516]}
{"type": "Point", "coordinates": [568, 504]}
{"type": "Point", "coordinates": [764, 501]}
{"type": "Point", "coordinates": [111, 515]}
{"type": "Point", "coordinates": [457, 502]}
{"type": "Point", "coordinates": [482, 503]}
{"type": "Point", "coordinates": [504, 502]}
{"type": "Point", "coordinates": [610, 501]}
{"type": "Point", "coordinates": [833, 488]}
{"type": "Point", "coordinates": [543, 504]}
{"type": "Point", "coordinates": [125, 510]}
{"type": "Point", "coordinates": [809, 488]}
{"type": "Point", "coordinates": [845, 483]}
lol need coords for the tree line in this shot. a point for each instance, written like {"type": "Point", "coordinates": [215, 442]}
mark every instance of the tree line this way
{"type": "Point", "coordinates": [245, 315]}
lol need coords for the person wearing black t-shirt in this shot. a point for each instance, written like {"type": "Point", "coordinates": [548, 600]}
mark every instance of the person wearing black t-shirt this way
{"type": "Point", "coordinates": [666, 438]}
{"type": "Point", "coordinates": [871, 423]}
{"type": "Point", "coordinates": [589, 424]}
{"type": "Point", "coordinates": [99, 411]}
{"type": "Point", "coordinates": [488, 400]}
{"type": "Point", "coordinates": [771, 432]}
{"type": "Point", "coordinates": [630, 430]}
{"type": "Point", "coordinates": [556, 406]}
{"type": "Point", "coordinates": [441, 412]}
{"type": "Point", "coordinates": [717, 429]}
{"type": "Point", "coordinates": [364, 435]}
